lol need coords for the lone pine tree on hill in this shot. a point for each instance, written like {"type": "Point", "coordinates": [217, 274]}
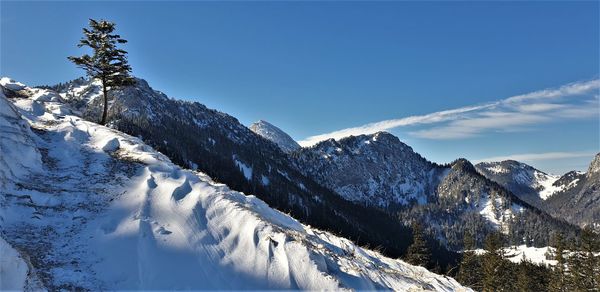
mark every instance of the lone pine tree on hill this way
{"type": "Point", "coordinates": [107, 63]}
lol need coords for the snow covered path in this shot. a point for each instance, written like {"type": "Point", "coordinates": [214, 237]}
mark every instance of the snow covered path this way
{"type": "Point", "coordinates": [86, 207]}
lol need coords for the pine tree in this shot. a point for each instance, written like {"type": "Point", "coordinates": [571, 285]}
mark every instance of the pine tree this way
{"type": "Point", "coordinates": [470, 266]}
{"type": "Point", "coordinates": [418, 253]}
{"type": "Point", "coordinates": [108, 63]}
{"type": "Point", "coordinates": [524, 281]}
{"type": "Point", "coordinates": [559, 278]}
{"type": "Point", "coordinates": [493, 262]}
{"type": "Point", "coordinates": [588, 262]}
{"type": "Point", "coordinates": [574, 265]}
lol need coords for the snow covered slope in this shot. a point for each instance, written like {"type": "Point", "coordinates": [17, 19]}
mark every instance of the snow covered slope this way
{"type": "Point", "coordinates": [96, 209]}
{"type": "Point", "coordinates": [519, 253]}
{"type": "Point", "coordinates": [526, 182]}
{"type": "Point", "coordinates": [275, 135]}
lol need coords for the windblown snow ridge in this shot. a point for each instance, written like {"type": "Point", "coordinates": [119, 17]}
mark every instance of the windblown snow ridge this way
{"type": "Point", "coordinates": [92, 208]}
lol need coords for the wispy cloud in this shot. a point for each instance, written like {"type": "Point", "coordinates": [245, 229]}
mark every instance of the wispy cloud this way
{"type": "Point", "coordinates": [529, 157]}
{"type": "Point", "coordinates": [573, 100]}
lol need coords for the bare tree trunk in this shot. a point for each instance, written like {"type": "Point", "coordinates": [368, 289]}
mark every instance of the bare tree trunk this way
{"type": "Point", "coordinates": [105, 111]}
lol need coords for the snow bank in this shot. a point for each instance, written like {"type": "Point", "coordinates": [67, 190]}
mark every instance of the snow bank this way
{"type": "Point", "coordinates": [518, 253]}
{"type": "Point", "coordinates": [13, 269]}
{"type": "Point", "coordinates": [19, 156]}
{"type": "Point", "coordinates": [546, 182]}
{"type": "Point", "coordinates": [107, 212]}
{"type": "Point", "coordinates": [11, 84]}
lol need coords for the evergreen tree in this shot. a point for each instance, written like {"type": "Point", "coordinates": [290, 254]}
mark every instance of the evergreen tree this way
{"type": "Point", "coordinates": [470, 273]}
{"type": "Point", "coordinates": [418, 253]}
{"type": "Point", "coordinates": [107, 63]}
{"type": "Point", "coordinates": [524, 282]}
{"type": "Point", "coordinates": [574, 266]}
{"type": "Point", "coordinates": [529, 277]}
{"type": "Point", "coordinates": [559, 278]}
{"type": "Point", "coordinates": [492, 263]}
{"type": "Point", "coordinates": [587, 263]}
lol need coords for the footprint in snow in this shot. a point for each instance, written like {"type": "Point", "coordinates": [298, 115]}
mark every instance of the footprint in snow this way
{"type": "Point", "coordinates": [163, 231]}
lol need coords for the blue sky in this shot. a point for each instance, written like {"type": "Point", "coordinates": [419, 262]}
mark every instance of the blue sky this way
{"type": "Point", "coordinates": [315, 68]}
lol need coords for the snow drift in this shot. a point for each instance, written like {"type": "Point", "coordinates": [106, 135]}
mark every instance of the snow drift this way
{"type": "Point", "coordinates": [85, 206]}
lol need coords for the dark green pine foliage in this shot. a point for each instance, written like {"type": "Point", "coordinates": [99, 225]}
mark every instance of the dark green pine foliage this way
{"type": "Point", "coordinates": [585, 264]}
{"type": "Point", "coordinates": [529, 277]}
{"type": "Point", "coordinates": [418, 253]}
{"type": "Point", "coordinates": [559, 279]}
{"type": "Point", "coordinates": [470, 273]}
{"type": "Point", "coordinates": [108, 63]}
{"type": "Point", "coordinates": [493, 263]}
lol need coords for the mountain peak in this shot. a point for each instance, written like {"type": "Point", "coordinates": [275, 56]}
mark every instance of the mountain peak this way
{"type": "Point", "coordinates": [275, 135]}
{"type": "Point", "coordinates": [382, 137]}
{"type": "Point", "coordinates": [525, 181]}
{"type": "Point", "coordinates": [373, 169]}
{"type": "Point", "coordinates": [594, 167]}
{"type": "Point", "coordinates": [463, 164]}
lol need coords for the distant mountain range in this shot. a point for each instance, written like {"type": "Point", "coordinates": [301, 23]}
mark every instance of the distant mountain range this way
{"type": "Point", "coordinates": [379, 170]}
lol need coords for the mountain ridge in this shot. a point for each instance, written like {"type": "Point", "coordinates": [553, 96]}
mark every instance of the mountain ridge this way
{"type": "Point", "coordinates": [379, 170]}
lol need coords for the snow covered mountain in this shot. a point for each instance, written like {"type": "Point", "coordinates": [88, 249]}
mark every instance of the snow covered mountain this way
{"type": "Point", "coordinates": [375, 169]}
{"type": "Point", "coordinates": [379, 170]}
{"type": "Point", "coordinates": [275, 135]}
{"type": "Point", "coordinates": [84, 206]}
{"type": "Point", "coordinates": [579, 203]}
{"type": "Point", "coordinates": [574, 197]}
{"type": "Point", "coordinates": [526, 182]}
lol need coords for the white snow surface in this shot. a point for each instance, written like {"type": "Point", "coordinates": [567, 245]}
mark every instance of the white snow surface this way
{"type": "Point", "coordinates": [545, 182]}
{"type": "Point", "coordinates": [13, 269]}
{"type": "Point", "coordinates": [15, 141]}
{"type": "Point", "coordinates": [498, 217]}
{"type": "Point", "coordinates": [537, 255]}
{"type": "Point", "coordinates": [246, 170]}
{"type": "Point", "coordinates": [518, 253]}
{"type": "Point", "coordinates": [96, 209]}
{"type": "Point", "coordinates": [275, 135]}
